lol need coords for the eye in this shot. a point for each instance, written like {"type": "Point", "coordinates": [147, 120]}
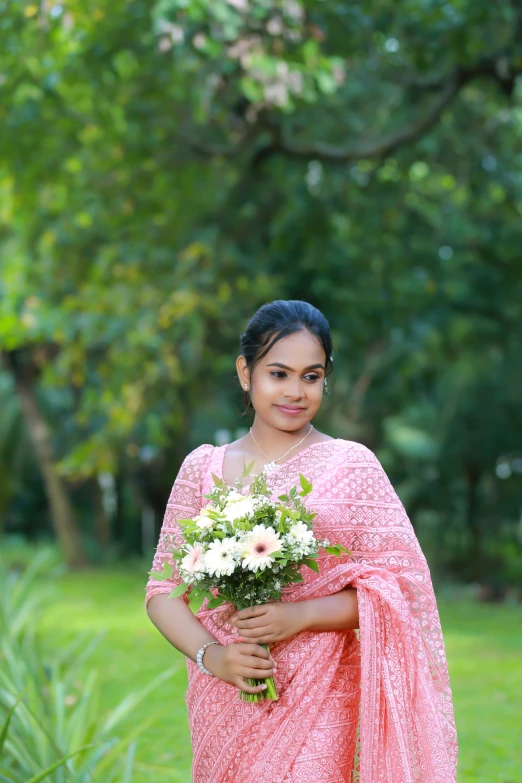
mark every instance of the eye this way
{"type": "Point", "coordinates": [278, 373]}
{"type": "Point", "coordinates": [313, 377]}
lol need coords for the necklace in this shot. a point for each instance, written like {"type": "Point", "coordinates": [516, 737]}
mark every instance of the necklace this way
{"type": "Point", "coordinates": [272, 462]}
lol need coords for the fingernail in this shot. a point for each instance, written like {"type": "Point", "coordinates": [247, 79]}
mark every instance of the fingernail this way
{"type": "Point", "coordinates": [263, 687]}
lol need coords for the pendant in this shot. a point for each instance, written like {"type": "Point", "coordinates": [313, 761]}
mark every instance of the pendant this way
{"type": "Point", "coordinates": [269, 467]}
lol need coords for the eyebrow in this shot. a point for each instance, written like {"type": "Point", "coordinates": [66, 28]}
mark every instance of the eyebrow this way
{"type": "Point", "coordinates": [311, 367]}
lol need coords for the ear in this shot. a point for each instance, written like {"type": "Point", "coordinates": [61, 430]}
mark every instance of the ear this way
{"type": "Point", "coordinates": [242, 372]}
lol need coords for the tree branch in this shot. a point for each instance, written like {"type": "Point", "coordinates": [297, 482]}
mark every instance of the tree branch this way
{"type": "Point", "coordinates": [498, 67]}
{"type": "Point", "coordinates": [409, 133]}
{"type": "Point", "coordinates": [384, 146]}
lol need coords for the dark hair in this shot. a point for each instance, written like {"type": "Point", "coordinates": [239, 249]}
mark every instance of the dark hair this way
{"type": "Point", "coordinates": [276, 320]}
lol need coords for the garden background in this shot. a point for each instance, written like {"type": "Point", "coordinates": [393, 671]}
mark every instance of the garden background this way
{"type": "Point", "coordinates": [165, 168]}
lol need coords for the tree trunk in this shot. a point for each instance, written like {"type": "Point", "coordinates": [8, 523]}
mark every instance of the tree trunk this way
{"type": "Point", "coordinates": [101, 518]}
{"type": "Point", "coordinates": [473, 521]}
{"type": "Point", "coordinates": [63, 517]}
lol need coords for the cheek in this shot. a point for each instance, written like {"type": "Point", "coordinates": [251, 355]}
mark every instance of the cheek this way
{"type": "Point", "coordinates": [315, 393]}
{"type": "Point", "coordinates": [265, 388]}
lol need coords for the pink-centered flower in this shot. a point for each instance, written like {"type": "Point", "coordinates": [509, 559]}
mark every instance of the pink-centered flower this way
{"type": "Point", "coordinates": [194, 562]}
{"type": "Point", "coordinates": [258, 546]}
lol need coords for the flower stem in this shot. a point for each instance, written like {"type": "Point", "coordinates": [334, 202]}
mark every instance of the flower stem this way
{"type": "Point", "coordinates": [269, 693]}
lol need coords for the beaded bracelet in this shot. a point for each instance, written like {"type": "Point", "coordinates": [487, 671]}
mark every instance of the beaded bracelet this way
{"type": "Point", "coordinates": [199, 657]}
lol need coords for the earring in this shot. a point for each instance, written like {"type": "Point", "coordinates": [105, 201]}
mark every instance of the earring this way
{"type": "Point", "coordinates": [246, 385]}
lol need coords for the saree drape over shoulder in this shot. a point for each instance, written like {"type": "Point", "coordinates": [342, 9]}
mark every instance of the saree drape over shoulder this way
{"type": "Point", "coordinates": [376, 709]}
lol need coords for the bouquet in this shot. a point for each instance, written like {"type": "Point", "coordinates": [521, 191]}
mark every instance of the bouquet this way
{"type": "Point", "coordinates": [244, 549]}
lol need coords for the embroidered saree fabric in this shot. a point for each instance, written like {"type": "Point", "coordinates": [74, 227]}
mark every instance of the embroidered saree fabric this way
{"type": "Point", "coordinates": [373, 708]}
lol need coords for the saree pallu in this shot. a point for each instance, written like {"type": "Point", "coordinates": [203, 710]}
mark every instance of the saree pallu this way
{"type": "Point", "coordinates": [373, 709]}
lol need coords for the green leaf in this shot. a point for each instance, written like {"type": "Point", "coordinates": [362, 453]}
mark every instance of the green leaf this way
{"type": "Point", "coordinates": [332, 550]}
{"type": "Point", "coordinates": [219, 482]}
{"type": "Point", "coordinates": [161, 576]}
{"type": "Point", "coordinates": [45, 773]}
{"type": "Point", "coordinates": [179, 591]}
{"type": "Point", "coordinates": [311, 563]}
{"type": "Point", "coordinates": [326, 82]}
{"type": "Point", "coordinates": [5, 727]}
{"type": "Point", "coordinates": [196, 599]}
{"type": "Point", "coordinates": [129, 763]}
{"type": "Point", "coordinates": [215, 602]}
{"type": "Point", "coordinates": [305, 485]}
{"type": "Point", "coordinates": [336, 549]}
{"type": "Point", "coordinates": [247, 469]}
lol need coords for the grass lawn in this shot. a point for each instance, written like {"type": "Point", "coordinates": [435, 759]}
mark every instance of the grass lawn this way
{"type": "Point", "coordinates": [484, 646]}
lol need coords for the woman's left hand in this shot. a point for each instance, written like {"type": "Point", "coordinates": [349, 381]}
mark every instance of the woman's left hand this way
{"type": "Point", "coordinates": [270, 623]}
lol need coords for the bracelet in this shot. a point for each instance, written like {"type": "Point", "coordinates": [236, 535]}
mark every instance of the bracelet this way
{"type": "Point", "coordinates": [199, 657]}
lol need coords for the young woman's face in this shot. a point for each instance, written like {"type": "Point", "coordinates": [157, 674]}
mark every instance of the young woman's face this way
{"type": "Point", "coordinates": [286, 386]}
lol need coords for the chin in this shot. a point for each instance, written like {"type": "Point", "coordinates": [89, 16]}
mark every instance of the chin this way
{"type": "Point", "coordinates": [282, 423]}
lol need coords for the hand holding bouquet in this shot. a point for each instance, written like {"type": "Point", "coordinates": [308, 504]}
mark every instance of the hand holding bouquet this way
{"type": "Point", "coordinates": [245, 548]}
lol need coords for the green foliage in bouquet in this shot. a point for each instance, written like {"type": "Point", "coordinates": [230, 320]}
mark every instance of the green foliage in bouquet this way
{"type": "Point", "coordinates": [244, 548]}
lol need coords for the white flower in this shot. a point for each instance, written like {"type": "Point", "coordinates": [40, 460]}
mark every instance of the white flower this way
{"type": "Point", "coordinates": [258, 546]}
{"type": "Point", "coordinates": [194, 560]}
{"type": "Point", "coordinates": [301, 533]}
{"type": "Point", "coordinates": [238, 506]}
{"type": "Point", "coordinates": [204, 521]}
{"type": "Point", "coordinates": [219, 558]}
{"type": "Point", "coordinates": [234, 496]}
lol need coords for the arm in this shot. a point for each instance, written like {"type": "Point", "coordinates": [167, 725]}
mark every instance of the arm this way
{"type": "Point", "coordinates": [337, 612]}
{"type": "Point", "coordinates": [277, 621]}
{"type": "Point", "coordinates": [231, 663]}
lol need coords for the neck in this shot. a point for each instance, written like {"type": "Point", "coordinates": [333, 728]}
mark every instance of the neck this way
{"type": "Point", "coordinates": [273, 440]}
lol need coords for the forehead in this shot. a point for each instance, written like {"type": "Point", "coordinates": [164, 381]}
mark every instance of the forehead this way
{"type": "Point", "coordinates": [301, 348]}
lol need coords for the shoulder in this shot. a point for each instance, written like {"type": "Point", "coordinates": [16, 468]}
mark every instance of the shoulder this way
{"type": "Point", "coordinates": [353, 453]}
{"type": "Point", "coordinates": [361, 473]}
{"type": "Point", "coordinates": [197, 460]}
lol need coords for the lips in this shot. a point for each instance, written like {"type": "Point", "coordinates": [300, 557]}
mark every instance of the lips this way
{"type": "Point", "coordinates": [290, 409]}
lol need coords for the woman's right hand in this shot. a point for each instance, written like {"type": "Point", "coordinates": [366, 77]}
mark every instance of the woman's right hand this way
{"type": "Point", "coordinates": [233, 662]}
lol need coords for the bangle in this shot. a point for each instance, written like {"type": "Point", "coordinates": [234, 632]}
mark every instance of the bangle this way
{"type": "Point", "coordinates": [199, 657]}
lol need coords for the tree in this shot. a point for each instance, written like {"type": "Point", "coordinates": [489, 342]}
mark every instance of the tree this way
{"type": "Point", "coordinates": [165, 172]}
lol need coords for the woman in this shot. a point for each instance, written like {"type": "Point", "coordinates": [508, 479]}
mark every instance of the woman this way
{"type": "Point", "coordinates": [378, 710]}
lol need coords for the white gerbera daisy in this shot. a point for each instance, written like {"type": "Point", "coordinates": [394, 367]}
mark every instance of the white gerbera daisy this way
{"type": "Point", "coordinates": [301, 532]}
{"type": "Point", "coordinates": [194, 560]}
{"type": "Point", "coordinates": [238, 507]}
{"type": "Point", "coordinates": [219, 558]}
{"type": "Point", "coordinates": [258, 546]}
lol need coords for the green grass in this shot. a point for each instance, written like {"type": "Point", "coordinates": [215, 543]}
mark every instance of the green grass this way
{"type": "Point", "coordinates": [484, 646]}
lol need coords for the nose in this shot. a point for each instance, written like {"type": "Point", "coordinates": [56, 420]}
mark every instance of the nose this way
{"type": "Point", "coordinates": [294, 389]}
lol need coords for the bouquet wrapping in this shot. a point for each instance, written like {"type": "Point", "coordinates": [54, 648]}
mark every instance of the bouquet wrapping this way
{"type": "Point", "coordinates": [244, 548]}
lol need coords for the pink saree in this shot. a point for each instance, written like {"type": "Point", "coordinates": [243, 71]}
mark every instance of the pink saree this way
{"type": "Point", "coordinates": [378, 710]}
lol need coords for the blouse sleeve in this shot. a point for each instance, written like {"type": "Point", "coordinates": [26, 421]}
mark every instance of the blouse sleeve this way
{"type": "Point", "coordinates": [184, 502]}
